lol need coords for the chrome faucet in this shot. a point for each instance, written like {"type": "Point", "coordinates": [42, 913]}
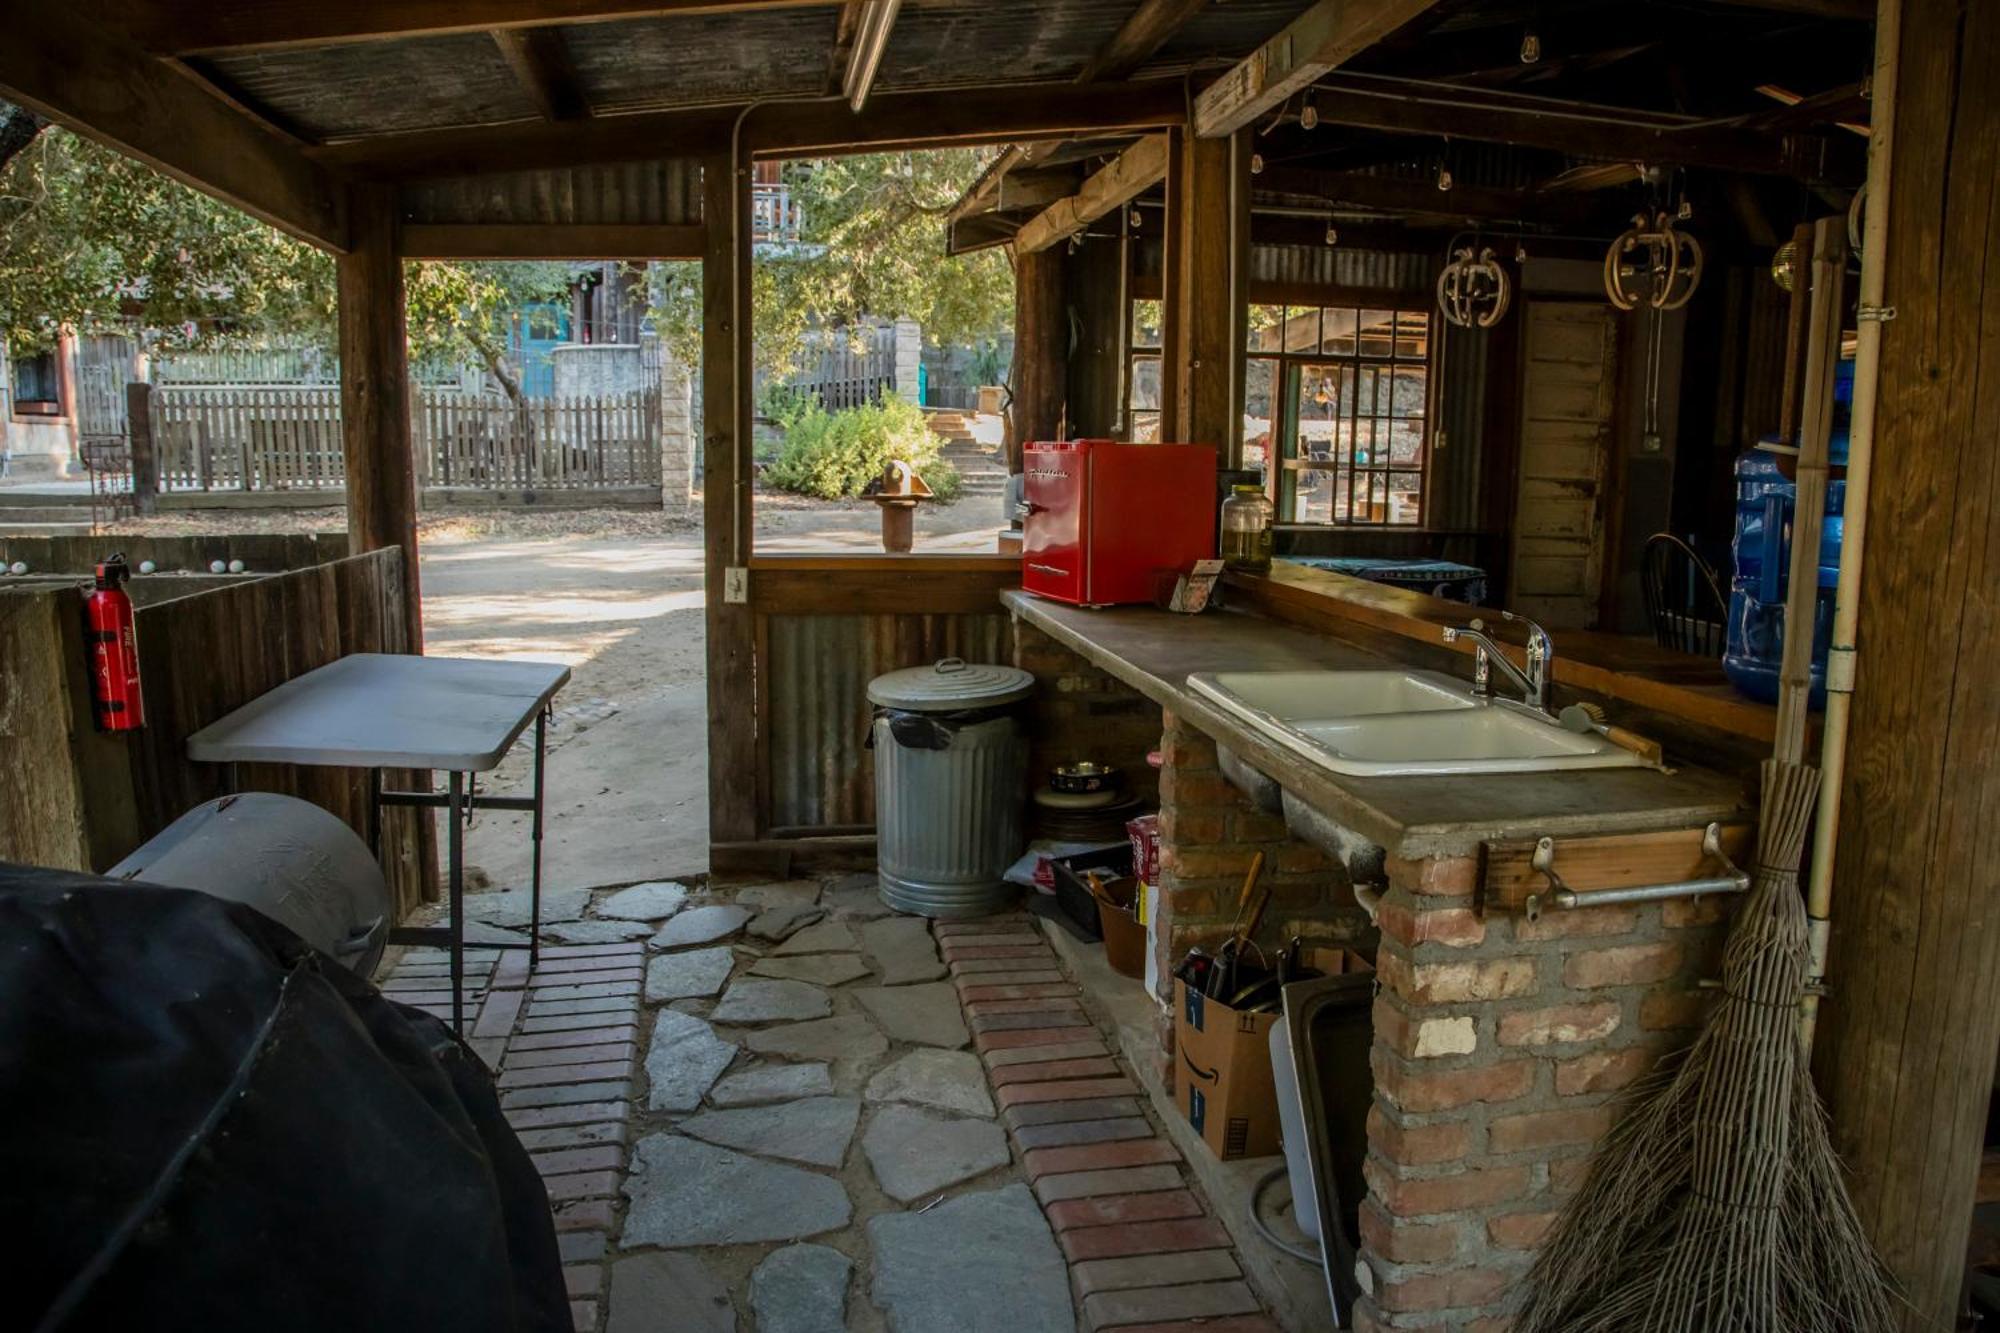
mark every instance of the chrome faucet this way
{"type": "Point", "coordinates": [1486, 655]}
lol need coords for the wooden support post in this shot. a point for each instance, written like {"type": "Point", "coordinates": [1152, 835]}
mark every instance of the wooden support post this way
{"type": "Point", "coordinates": [1041, 349]}
{"type": "Point", "coordinates": [1200, 322]}
{"type": "Point", "coordinates": [375, 393]}
{"type": "Point", "coordinates": [1911, 1020]}
{"type": "Point", "coordinates": [1172, 242]}
{"type": "Point", "coordinates": [145, 454]}
{"type": "Point", "coordinates": [733, 779]}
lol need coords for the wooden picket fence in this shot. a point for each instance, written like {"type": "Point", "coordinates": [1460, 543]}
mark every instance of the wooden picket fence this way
{"type": "Point", "coordinates": [285, 439]}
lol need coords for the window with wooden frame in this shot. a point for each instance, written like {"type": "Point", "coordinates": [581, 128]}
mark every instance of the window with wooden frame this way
{"type": "Point", "coordinates": [36, 381]}
{"type": "Point", "coordinates": [1336, 408]}
{"type": "Point", "coordinates": [1142, 374]}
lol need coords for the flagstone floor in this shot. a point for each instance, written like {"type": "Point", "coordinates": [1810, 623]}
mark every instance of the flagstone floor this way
{"type": "Point", "coordinates": [777, 1106]}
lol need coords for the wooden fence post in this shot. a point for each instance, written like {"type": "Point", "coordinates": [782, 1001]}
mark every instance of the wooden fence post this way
{"type": "Point", "coordinates": [145, 457]}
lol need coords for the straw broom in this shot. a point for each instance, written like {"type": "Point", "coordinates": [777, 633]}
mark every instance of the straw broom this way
{"type": "Point", "coordinates": [1717, 1204]}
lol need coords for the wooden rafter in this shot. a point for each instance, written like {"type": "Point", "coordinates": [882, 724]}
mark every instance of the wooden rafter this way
{"type": "Point", "coordinates": [1323, 38]}
{"type": "Point", "coordinates": [1133, 171]}
{"type": "Point", "coordinates": [540, 61]}
{"type": "Point", "coordinates": [1151, 26]}
{"type": "Point", "coordinates": [777, 129]}
{"type": "Point", "coordinates": [184, 27]}
{"type": "Point", "coordinates": [1580, 129]}
{"type": "Point", "coordinates": [59, 64]}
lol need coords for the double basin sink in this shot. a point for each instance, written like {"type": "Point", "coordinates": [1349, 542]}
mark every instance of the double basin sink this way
{"type": "Point", "coordinates": [1400, 723]}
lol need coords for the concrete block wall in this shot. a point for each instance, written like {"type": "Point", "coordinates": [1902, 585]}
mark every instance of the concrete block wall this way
{"type": "Point", "coordinates": [677, 434]}
{"type": "Point", "coordinates": [1501, 1048]}
{"type": "Point", "coordinates": [909, 353]}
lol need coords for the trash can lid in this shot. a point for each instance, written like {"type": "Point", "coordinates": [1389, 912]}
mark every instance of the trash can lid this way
{"type": "Point", "coordinates": [949, 685]}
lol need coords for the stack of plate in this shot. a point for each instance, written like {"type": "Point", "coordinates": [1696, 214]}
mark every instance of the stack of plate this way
{"type": "Point", "coordinates": [1097, 816]}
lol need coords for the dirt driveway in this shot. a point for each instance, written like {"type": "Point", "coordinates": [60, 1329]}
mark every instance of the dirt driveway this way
{"type": "Point", "coordinates": [616, 596]}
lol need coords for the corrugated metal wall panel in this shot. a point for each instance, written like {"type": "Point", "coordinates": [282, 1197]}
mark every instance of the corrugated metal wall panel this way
{"type": "Point", "coordinates": [1342, 266]}
{"type": "Point", "coordinates": [665, 192]}
{"type": "Point", "coordinates": [1458, 453]}
{"type": "Point", "coordinates": [816, 679]}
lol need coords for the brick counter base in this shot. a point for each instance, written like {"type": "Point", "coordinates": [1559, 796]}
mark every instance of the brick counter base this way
{"type": "Point", "coordinates": [1144, 1255]}
{"type": "Point", "coordinates": [1501, 1046]}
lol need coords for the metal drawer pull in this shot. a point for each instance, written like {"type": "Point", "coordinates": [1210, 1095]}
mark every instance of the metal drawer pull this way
{"type": "Point", "coordinates": [1564, 898]}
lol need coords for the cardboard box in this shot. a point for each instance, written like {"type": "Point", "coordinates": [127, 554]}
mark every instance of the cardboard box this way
{"type": "Point", "coordinates": [1222, 1065]}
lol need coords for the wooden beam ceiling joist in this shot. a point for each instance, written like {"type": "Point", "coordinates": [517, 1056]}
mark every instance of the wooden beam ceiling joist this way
{"type": "Point", "coordinates": [559, 240]}
{"type": "Point", "coordinates": [1853, 11]}
{"type": "Point", "coordinates": [772, 129]}
{"type": "Point", "coordinates": [1580, 129]}
{"type": "Point", "coordinates": [978, 231]}
{"type": "Point", "coordinates": [1323, 38]}
{"type": "Point", "coordinates": [540, 61]}
{"type": "Point", "coordinates": [58, 63]}
{"type": "Point", "coordinates": [1150, 27]}
{"type": "Point", "coordinates": [189, 27]}
{"type": "Point", "coordinates": [1131, 173]}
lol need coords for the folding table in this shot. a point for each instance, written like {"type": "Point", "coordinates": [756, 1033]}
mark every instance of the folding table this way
{"type": "Point", "coordinates": [396, 710]}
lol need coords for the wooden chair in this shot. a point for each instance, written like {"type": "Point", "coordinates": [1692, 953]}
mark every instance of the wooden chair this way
{"type": "Point", "coordinates": [1684, 601]}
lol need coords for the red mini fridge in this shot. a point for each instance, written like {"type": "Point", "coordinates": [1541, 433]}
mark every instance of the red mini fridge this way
{"type": "Point", "coordinates": [1109, 522]}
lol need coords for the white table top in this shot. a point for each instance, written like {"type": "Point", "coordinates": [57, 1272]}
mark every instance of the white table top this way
{"type": "Point", "coordinates": [387, 710]}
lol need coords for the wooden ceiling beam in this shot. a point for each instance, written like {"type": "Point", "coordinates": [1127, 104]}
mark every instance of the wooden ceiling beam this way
{"type": "Point", "coordinates": [1131, 173]}
{"type": "Point", "coordinates": [209, 27]}
{"type": "Point", "coordinates": [1151, 26]}
{"type": "Point", "coordinates": [1322, 39]}
{"type": "Point", "coordinates": [771, 129]}
{"type": "Point", "coordinates": [1853, 11]}
{"type": "Point", "coordinates": [1580, 130]}
{"type": "Point", "coordinates": [540, 61]}
{"type": "Point", "coordinates": [58, 63]}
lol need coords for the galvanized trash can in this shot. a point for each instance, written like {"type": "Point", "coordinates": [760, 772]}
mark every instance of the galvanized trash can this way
{"type": "Point", "coordinates": [950, 772]}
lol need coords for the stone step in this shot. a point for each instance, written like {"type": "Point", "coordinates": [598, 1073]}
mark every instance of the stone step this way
{"type": "Point", "coordinates": [44, 513]}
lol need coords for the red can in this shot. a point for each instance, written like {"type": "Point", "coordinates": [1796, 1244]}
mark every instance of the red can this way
{"type": "Point", "coordinates": [117, 702]}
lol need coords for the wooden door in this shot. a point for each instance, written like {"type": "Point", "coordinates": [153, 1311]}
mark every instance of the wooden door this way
{"type": "Point", "coordinates": [1568, 387]}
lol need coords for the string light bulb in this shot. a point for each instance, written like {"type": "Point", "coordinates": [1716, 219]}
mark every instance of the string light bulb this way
{"type": "Point", "coordinates": [1531, 48]}
{"type": "Point", "coordinates": [1135, 217]}
{"type": "Point", "coordinates": [1444, 178]}
{"type": "Point", "coordinates": [1332, 235]}
{"type": "Point", "coordinates": [1256, 164]}
{"type": "Point", "coordinates": [1308, 114]}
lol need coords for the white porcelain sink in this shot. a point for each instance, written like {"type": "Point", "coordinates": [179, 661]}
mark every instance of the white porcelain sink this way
{"type": "Point", "coordinates": [1400, 723]}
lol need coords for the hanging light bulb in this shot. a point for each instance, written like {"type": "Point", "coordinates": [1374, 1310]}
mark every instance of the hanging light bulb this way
{"type": "Point", "coordinates": [1135, 217]}
{"type": "Point", "coordinates": [1531, 48]}
{"type": "Point", "coordinates": [1308, 114]}
{"type": "Point", "coordinates": [1256, 164]}
{"type": "Point", "coordinates": [1332, 235]}
{"type": "Point", "coordinates": [1444, 178]}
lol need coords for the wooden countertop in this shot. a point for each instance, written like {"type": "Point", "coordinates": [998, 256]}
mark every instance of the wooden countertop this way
{"type": "Point", "coordinates": [1616, 666]}
{"type": "Point", "coordinates": [1155, 651]}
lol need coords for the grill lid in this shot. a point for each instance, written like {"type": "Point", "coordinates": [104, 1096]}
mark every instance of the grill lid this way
{"type": "Point", "coordinates": [949, 685]}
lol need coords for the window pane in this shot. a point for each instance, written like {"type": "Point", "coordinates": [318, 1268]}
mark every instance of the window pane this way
{"type": "Point", "coordinates": [1267, 328]}
{"type": "Point", "coordinates": [1406, 398]}
{"type": "Point", "coordinates": [1377, 332]}
{"type": "Point", "coordinates": [1313, 499]}
{"type": "Point", "coordinates": [1145, 428]}
{"type": "Point", "coordinates": [35, 379]}
{"type": "Point", "coordinates": [1405, 497]}
{"type": "Point", "coordinates": [1413, 336]}
{"type": "Point", "coordinates": [1145, 384]}
{"type": "Point", "coordinates": [1337, 339]}
{"type": "Point", "coordinates": [1145, 323]}
{"type": "Point", "coordinates": [1301, 329]}
{"type": "Point", "coordinates": [1406, 441]}
{"type": "Point", "coordinates": [1259, 411]}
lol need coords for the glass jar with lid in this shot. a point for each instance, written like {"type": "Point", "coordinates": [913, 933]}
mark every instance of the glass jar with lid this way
{"type": "Point", "coordinates": [1248, 519]}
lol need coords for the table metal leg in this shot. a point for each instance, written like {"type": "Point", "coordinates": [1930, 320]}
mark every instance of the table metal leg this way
{"type": "Point", "coordinates": [375, 814]}
{"type": "Point", "coordinates": [456, 843]}
{"type": "Point", "coordinates": [535, 880]}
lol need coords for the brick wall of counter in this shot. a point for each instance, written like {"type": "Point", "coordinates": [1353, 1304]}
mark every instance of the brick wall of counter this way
{"type": "Point", "coordinates": [1082, 712]}
{"type": "Point", "coordinates": [1501, 1049]}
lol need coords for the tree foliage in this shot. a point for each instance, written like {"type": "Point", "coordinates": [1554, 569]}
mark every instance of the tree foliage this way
{"type": "Point", "coordinates": [872, 243]}
{"type": "Point", "coordinates": [91, 239]}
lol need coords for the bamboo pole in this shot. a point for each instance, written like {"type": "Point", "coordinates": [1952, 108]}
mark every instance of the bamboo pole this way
{"type": "Point", "coordinates": [1860, 457]}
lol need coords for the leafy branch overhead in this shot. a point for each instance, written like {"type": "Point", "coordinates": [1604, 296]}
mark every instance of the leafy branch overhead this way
{"type": "Point", "coordinates": [873, 243]}
{"type": "Point", "coordinates": [91, 239]}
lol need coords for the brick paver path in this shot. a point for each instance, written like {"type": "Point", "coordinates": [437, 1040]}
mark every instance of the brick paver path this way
{"type": "Point", "coordinates": [905, 1103]}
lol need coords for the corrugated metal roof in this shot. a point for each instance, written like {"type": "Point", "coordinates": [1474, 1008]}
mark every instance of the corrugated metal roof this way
{"type": "Point", "coordinates": [692, 60]}
{"type": "Point", "coordinates": [364, 88]}
{"type": "Point", "coordinates": [1227, 29]}
{"type": "Point", "coordinates": [664, 192]}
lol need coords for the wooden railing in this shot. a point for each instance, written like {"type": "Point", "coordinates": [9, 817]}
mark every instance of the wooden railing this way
{"type": "Point", "coordinates": [284, 439]}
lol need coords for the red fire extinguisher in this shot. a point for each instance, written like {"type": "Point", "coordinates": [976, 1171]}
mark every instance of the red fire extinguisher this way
{"type": "Point", "coordinates": [116, 699]}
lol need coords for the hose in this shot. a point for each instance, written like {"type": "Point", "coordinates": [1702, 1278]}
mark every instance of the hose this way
{"type": "Point", "coordinates": [1272, 1238]}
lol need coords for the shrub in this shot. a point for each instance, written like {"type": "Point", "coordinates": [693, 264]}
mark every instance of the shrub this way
{"type": "Point", "coordinates": [835, 455]}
